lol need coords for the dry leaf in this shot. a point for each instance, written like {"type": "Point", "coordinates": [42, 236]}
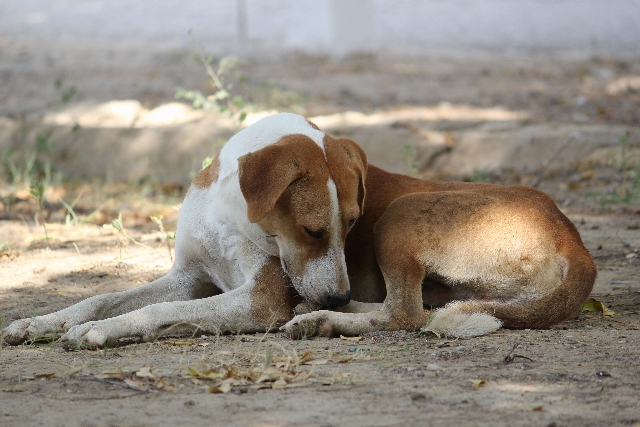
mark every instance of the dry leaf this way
{"type": "Point", "coordinates": [354, 339]}
{"type": "Point", "coordinates": [305, 357]}
{"type": "Point", "coordinates": [478, 383]}
{"type": "Point", "coordinates": [280, 383]}
{"type": "Point", "coordinates": [145, 372]}
{"type": "Point", "coordinates": [269, 374]}
{"type": "Point", "coordinates": [225, 387]}
{"type": "Point", "coordinates": [74, 371]}
{"type": "Point", "coordinates": [215, 390]}
{"type": "Point", "coordinates": [211, 374]}
{"type": "Point", "coordinates": [47, 376]}
{"type": "Point", "coordinates": [111, 375]}
{"type": "Point", "coordinates": [336, 358]}
{"type": "Point", "coordinates": [135, 384]}
{"type": "Point", "coordinates": [593, 305]}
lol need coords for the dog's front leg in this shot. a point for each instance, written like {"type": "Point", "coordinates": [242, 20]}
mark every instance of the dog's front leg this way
{"type": "Point", "coordinates": [403, 272]}
{"type": "Point", "coordinates": [263, 303]}
{"type": "Point", "coordinates": [178, 284]}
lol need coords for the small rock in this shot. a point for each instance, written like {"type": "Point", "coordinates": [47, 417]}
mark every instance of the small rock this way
{"type": "Point", "coordinates": [418, 397]}
{"type": "Point", "coordinates": [433, 367]}
{"type": "Point", "coordinates": [461, 348]}
{"type": "Point", "coordinates": [189, 403]}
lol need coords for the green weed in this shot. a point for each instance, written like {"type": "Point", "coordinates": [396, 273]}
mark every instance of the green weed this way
{"type": "Point", "coordinates": [409, 153]}
{"type": "Point", "coordinates": [37, 190]}
{"type": "Point", "coordinates": [167, 237]}
{"type": "Point", "coordinates": [222, 98]}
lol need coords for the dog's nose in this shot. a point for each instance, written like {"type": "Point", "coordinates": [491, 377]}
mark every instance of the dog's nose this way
{"type": "Point", "coordinates": [338, 300]}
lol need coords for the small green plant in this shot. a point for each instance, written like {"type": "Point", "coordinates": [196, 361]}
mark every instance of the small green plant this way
{"type": "Point", "coordinates": [71, 218]}
{"type": "Point", "coordinates": [37, 190]}
{"type": "Point", "coordinates": [7, 250]}
{"type": "Point", "coordinates": [625, 192]}
{"type": "Point", "coordinates": [409, 153]}
{"type": "Point", "coordinates": [479, 175]}
{"type": "Point", "coordinates": [24, 167]}
{"type": "Point", "coordinates": [167, 237]}
{"type": "Point", "coordinates": [117, 225]}
{"type": "Point", "coordinates": [65, 94]}
{"type": "Point", "coordinates": [222, 98]}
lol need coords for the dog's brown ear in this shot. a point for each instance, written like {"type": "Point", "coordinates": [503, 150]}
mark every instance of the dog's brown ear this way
{"type": "Point", "coordinates": [264, 175]}
{"type": "Point", "coordinates": [351, 159]}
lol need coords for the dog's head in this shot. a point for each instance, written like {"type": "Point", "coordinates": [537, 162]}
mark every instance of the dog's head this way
{"type": "Point", "coordinates": [307, 197]}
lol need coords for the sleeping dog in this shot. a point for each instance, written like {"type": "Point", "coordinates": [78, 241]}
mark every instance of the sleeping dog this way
{"type": "Point", "coordinates": [287, 214]}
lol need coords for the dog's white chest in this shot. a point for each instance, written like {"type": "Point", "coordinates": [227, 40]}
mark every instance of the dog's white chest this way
{"type": "Point", "coordinates": [205, 236]}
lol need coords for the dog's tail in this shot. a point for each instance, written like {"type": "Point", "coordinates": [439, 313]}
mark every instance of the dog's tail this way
{"type": "Point", "coordinates": [477, 317]}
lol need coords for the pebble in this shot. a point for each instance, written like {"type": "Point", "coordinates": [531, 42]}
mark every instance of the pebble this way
{"type": "Point", "coordinates": [433, 367]}
{"type": "Point", "coordinates": [461, 348]}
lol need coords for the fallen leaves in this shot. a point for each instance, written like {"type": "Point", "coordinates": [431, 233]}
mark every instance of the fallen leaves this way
{"type": "Point", "coordinates": [141, 380]}
{"type": "Point", "coordinates": [353, 339]}
{"type": "Point", "coordinates": [281, 372]}
{"type": "Point", "coordinates": [184, 343]}
{"type": "Point", "coordinates": [40, 376]}
{"type": "Point", "coordinates": [595, 306]}
{"type": "Point", "coordinates": [478, 383]}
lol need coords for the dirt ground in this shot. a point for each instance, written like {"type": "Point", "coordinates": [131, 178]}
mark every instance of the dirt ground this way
{"type": "Point", "coordinates": [583, 372]}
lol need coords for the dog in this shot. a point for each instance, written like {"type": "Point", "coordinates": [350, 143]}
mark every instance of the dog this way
{"type": "Point", "coordinates": [288, 215]}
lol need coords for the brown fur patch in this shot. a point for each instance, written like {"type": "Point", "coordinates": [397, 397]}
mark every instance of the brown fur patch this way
{"type": "Point", "coordinates": [265, 174]}
{"type": "Point", "coordinates": [272, 297]}
{"type": "Point", "coordinates": [208, 175]}
{"type": "Point", "coordinates": [313, 125]}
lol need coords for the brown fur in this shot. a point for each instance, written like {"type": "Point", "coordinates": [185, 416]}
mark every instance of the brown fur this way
{"type": "Point", "coordinates": [422, 244]}
{"type": "Point", "coordinates": [208, 175]}
{"type": "Point", "coordinates": [411, 219]}
{"type": "Point", "coordinates": [272, 298]}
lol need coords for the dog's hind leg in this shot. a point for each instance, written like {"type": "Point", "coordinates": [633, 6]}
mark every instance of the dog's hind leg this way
{"type": "Point", "coordinates": [176, 285]}
{"type": "Point", "coordinates": [402, 308]}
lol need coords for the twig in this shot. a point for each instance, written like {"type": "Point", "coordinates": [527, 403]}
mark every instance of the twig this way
{"type": "Point", "coordinates": [510, 357]}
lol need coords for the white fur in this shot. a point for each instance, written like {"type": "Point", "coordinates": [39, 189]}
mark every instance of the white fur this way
{"type": "Point", "coordinates": [215, 242]}
{"type": "Point", "coordinates": [214, 226]}
{"type": "Point", "coordinates": [450, 321]}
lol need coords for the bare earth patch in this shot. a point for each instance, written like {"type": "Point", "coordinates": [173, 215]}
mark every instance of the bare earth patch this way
{"type": "Point", "coordinates": [583, 372]}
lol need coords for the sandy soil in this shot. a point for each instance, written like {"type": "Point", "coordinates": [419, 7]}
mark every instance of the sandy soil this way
{"type": "Point", "coordinates": [583, 372]}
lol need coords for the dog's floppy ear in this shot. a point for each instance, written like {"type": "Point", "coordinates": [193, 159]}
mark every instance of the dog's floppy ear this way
{"type": "Point", "coordinates": [351, 158]}
{"type": "Point", "coordinates": [264, 175]}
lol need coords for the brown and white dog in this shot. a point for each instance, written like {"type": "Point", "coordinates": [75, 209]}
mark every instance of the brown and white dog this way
{"type": "Point", "coordinates": [264, 227]}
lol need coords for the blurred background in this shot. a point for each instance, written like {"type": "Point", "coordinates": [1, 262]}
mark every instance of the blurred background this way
{"type": "Point", "coordinates": [538, 92]}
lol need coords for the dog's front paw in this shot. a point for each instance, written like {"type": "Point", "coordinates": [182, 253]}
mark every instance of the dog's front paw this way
{"type": "Point", "coordinates": [18, 331]}
{"type": "Point", "coordinates": [89, 335]}
{"type": "Point", "coordinates": [310, 324]}
{"type": "Point", "coordinates": [25, 329]}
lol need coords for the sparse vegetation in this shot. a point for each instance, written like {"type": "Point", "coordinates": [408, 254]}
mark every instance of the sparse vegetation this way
{"type": "Point", "coordinates": [166, 236]}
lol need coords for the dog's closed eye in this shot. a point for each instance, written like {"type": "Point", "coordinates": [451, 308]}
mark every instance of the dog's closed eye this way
{"type": "Point", "coordinates": [316, 234]}
{"type": "Point", "coordinates": [352, 222]}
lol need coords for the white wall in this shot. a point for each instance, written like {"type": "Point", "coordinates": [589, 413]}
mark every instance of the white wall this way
{"type": "Point", "coordinates": [338, 26]}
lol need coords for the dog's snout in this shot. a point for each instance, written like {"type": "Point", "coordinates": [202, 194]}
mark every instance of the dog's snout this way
{"type": "Point", "coordinates": [338, 300]}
